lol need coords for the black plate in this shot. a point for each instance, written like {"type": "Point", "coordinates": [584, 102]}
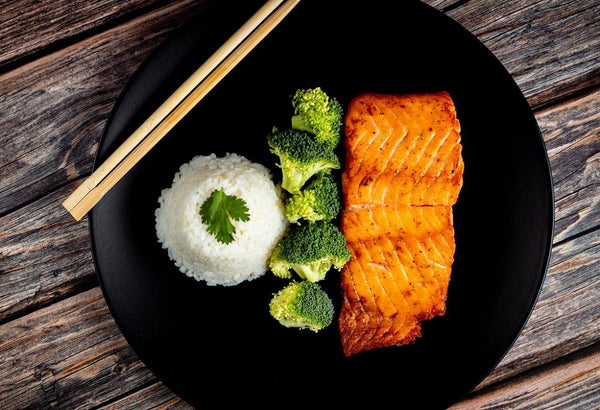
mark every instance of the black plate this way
{"type": "Point", "coordinates": [209, 343]}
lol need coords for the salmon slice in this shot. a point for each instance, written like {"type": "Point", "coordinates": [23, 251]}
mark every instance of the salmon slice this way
{"type": "Point", "coordinates": [418, 221]}
{"type": "Point", "coordinates": [402, 150]}
{"type": "Point", "coordinates": [402, 175]}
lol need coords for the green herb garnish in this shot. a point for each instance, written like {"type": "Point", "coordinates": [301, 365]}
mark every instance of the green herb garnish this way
{"type": "Point", "coordinates": [217, 212]}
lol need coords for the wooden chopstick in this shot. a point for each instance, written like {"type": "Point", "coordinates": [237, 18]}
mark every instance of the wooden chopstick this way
{"type": "Point", "coordinates": [176, 107]}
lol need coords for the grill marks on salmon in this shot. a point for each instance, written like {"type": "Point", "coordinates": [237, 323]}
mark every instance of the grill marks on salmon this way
{"type": "Point", "coordinates": [402, 175]}
{"type": "Point", "coordinates": [398, 276]}
{"type": "Point", "coordinates": [402, 151]}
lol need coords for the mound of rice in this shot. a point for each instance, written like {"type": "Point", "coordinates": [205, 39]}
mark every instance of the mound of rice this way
{"type": "Point", "coordinates": [196, 252]}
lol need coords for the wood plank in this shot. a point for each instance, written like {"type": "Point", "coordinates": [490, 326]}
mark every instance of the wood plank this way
{"type": "Point", "coordinates": [573, 382]}
{"type": "Point", "coordinates": [45, 145]}
{"type": "Point", "coordinates": [442, 4]}
{"type": "Point", "coordinates": [28, 26]}
{"type": "Point", "coordinates": [155, 396]}
{"type": "Point", "coordinates": [68, 355]}
{"type": "Point", "coordinates": [45, 254]}
{"type": "Point", "coordinates": [572, 135]}
{"type": "Point", "coordinates": [566, 316]}
{"type": "Point", "coordinates": [550, 47]}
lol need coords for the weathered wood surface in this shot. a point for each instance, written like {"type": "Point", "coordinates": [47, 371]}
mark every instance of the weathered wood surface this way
{"type": "Point", "coordinates": [550, 47]}
{"type": "Point", "coordinates": [45, 148]}
{"type": "Point", "coordinates": [571, 132]}
{"type": "Point", "coordinates": [59, 346]}
{"type": "Point", "coordinates": [30, 26]}
{"type": "Point", "coordinates": [577, 376]}
{"type": "Point", "coordinates": [68, 355]}
{"type": "Point", "coordinates": [45, 255]}
{"type": "Point", "coordinates": [155, 396]}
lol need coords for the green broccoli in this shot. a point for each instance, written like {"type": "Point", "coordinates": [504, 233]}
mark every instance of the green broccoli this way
{"type": "Point", "coordinates": [318, 114]}
{"type": "Point", "coordinates": [300, 157]}
{"type": "Point", "coordinates": [310, 250]}
{"type": "Point", "coordinates": [320, 200]}
{"type": "Point", "coordinates": [302, 305]}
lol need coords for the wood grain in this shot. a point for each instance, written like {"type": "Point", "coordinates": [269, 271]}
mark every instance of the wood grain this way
{"type": "Point", "coordinates": [576, 377]}
{"type": "Point", "coordinates": [525, 38]}
{"type": "Point", "coordinates": [30, 26]}
{"type": "Point", "coordinates": [42, 149]}
{"type": "Point", "coordinates": [68, 355]}
{"type": "Point", "coordinates": [443, 4]}
{"type": "Point", "coordinates": [572, 135]}
{"type": "Point", "coordinates": [155, 396]}
{"type": "Point", "coordinates": [45, 256]}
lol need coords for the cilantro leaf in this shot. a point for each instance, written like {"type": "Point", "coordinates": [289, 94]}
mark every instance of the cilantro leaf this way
{"type": "Point", "coordinates": [218, 210]}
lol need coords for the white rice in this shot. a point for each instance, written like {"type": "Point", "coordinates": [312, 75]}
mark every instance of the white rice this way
{"type": "Point", "coordinates": [195, 251]}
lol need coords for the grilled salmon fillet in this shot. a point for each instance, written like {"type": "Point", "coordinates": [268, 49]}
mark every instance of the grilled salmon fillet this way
{"type": "Point", "coordinates": [403, 173]}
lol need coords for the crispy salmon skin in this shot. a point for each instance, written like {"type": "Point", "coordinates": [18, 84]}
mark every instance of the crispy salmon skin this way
{"type": "Point", "coordinates": [403, 172]}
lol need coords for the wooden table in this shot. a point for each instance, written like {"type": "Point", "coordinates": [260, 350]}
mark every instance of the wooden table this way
{"type": "Point", "coordinates": [63, 64]}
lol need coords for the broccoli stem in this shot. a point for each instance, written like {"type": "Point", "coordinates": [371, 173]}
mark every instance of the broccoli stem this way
{"type": "Point", "coordinates": [293, 181]}
{"type": "Point", "coordinates": [299, 123]}
{"type": "Point", "coordinates": [313, 272]}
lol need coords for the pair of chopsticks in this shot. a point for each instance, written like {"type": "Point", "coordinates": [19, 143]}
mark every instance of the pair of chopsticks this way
{"type": "Point", "coordinates": [194, 89]}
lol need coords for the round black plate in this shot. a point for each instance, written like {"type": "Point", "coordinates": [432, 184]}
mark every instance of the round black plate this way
{"type": "Point", "coordinates": [208, 343]}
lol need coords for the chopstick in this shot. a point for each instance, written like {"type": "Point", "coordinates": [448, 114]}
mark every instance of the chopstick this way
{"type": "Point", "coordinates": [170, 112]}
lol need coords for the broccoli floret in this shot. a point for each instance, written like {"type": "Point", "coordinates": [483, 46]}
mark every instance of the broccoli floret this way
{"type": "Point", "coordinates": [302, 305]}
{"type": "Point", "coordinates": [320, 200]}
{"type": "Point", "coordinates": [318, 114]}
{"type": "Point", "coordinates": [300, 157]}
{"type": "Point", "coordinates": [310, 250]}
